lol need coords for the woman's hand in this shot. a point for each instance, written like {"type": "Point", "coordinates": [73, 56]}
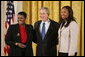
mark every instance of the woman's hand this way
{"type": "Point", "coordinates": [20, 45]}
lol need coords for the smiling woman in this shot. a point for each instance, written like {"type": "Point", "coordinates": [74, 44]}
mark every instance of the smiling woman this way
{"type": "Point", "coordinates": [68, 33]}
{"type": "Point", "coordinates": [19, 37]}
{"type": "Point", "coordinates": [22, 17]}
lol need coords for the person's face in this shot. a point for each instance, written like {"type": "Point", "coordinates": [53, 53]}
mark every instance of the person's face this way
{"type": "Point", "coordinates": [43, 15]}
{"type": "Point", "coordinates": [64, 13]}
{"type": "Point", "coordinates": [21, 19]}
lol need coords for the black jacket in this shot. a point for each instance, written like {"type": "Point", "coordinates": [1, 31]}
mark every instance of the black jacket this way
{"type": "Point", "coordinates": [13, 36]}
{"type": "Point", "coordinates": [46, 47]}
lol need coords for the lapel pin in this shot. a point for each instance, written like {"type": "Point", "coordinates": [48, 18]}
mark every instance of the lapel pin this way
{"type": "Point", "coordinates": [18, 34]}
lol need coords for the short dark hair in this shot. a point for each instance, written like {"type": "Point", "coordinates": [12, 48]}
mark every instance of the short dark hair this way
{"type": "Point", "coordinates": [23, 13]}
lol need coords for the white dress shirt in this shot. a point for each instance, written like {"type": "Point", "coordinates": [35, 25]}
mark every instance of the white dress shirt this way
{"type": "Point", "coordinates": [47, 24]}
{"type": "Point", "coordinates": [68, 37]}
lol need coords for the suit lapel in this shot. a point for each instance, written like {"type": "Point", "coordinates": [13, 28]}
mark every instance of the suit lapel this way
{"type": "Point", "coordinates": [49, 30]}
{"type": "Point", "coordinates": [38, 30]}
{"type": "Point", "coordinates": [18, 32]}
{"type": "Point", "coordinates": [28, 32]}
{"type": "Point", "coordinates": [62, 27]}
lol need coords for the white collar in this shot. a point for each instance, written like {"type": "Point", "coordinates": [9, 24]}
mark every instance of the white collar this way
{"type": "Point", "coordinates": [46, 21]}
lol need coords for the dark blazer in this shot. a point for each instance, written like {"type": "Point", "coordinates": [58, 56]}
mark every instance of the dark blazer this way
{"type": "Point", "coordinates": [13, 36]}
{"type": "Point", "coordinates": [46, 47]}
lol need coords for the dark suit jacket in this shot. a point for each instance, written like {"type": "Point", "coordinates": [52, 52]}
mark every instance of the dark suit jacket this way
{"type": "Point", "coordinates": [46, 47]}
{"type": "Point", "coordinates": [13, 36]}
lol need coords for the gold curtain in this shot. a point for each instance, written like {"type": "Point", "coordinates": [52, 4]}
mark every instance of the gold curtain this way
{"type": "Point", "coordinates": [32, 9]}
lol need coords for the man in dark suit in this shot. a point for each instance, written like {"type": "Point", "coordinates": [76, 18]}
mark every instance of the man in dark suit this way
{"type": "Point", "coordinates": [46, 33]}
{"type": "Point", "coordinates": [19, 37]}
